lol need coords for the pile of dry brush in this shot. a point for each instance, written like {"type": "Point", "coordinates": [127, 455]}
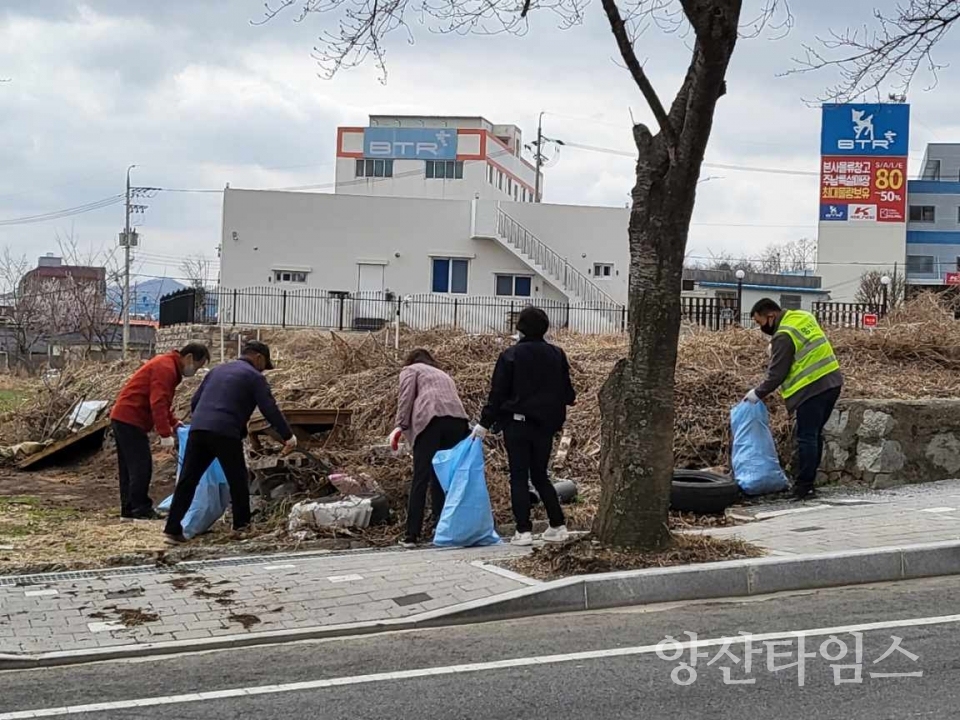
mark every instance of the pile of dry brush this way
{"type": "Point", "coordinates": [915, 353]}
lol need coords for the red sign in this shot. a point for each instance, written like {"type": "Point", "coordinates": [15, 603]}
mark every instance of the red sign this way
{"type": "Point", "coordinates": [870, 320]}
{"type": "Point", "coordinates": [952, 278]}
{"type": "Point", "coordinates": [872, 189]}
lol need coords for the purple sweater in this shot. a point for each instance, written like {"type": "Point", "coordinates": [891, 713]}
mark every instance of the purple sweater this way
{"type": "Point", "coordinates": [227, 398]}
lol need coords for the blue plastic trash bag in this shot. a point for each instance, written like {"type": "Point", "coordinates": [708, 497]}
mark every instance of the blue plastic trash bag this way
{"type": "Point", "coordinates": [756, 467]}
{"type": "Point", "coordinates": [467, 517]}
{"type": "Point", "coordinates": [211, 499]}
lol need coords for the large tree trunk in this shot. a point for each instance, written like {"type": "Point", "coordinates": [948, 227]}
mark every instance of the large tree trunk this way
{"type": "Point", "coordinates": [637, 401]}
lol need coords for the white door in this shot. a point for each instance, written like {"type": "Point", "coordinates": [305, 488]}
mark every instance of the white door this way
{"type": "Point", "coordinates": [370, 304]}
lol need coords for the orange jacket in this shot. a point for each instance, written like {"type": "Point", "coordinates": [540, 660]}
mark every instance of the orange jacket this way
{"type": "Point", "coordinates": [145, 401]}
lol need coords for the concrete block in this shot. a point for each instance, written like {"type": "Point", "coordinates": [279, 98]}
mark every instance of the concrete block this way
{"type": "Point", "coordinates": [931, 560]}
{"type": "Point", "coordinates": [641, 587]}
{"type": "Point", "coordinates": [825, 570]}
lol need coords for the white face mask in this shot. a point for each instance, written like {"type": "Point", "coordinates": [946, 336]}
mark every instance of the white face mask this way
{"type": "Point", "coordinates": [189, 370]}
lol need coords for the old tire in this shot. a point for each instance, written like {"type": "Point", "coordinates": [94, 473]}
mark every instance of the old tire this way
{"type": "Point", "coordinates": [702, 492]}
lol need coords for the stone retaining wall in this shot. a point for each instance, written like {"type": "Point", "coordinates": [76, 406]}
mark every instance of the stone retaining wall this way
{"type": "Point", "coordinates": [882, 443]}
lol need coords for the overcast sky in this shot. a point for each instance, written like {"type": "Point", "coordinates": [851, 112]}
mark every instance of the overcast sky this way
{"type": "Point", "coordinates": [197, 97]}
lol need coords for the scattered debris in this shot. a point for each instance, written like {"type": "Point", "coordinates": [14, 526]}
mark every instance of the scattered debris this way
{"type": "Point", "coordinates": [348, 512]}
{"type": "Point", "coordinates": [248, 621]}
{"type": "Point", "coordinates": [126, 593]}
{"type": "Point", "coordinates": [131, 617]}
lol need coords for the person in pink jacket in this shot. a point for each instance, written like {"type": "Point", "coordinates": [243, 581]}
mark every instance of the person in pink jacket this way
{"type": "Point", "coordinates": [430, 416]}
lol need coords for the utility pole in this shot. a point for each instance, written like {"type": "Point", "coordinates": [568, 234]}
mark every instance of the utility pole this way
{"type": "Point", "coordinates": [538, 158]}
{"type": "Point", "coordinates": [126, 268]}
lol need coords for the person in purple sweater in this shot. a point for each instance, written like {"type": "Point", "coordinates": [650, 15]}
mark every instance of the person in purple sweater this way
{"type": "Point", "coordinates": [221, 409]}
{"type": "Point", "coordinates": [431, 417]}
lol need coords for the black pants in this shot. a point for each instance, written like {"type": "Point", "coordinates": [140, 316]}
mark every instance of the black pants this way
{"type": "Point", "coordinates": [203, 448]}
{"type": "Point", "coordinates": [442, 433]}
{"type": "Point", "coordinates": [528, 454]}
{"type": "Point", "coordinates": [136, 469]}
{"type": "Point", "coordinates": [812, 415]}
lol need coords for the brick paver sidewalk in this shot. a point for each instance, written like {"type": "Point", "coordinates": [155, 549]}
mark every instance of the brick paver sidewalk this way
{"type": "Point", "coordinates": [77, 611]}
{"type": "Point", "coordinates": [841, 520]}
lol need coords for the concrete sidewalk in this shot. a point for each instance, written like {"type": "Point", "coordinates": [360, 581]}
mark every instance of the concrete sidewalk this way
{"type": "Point", "coordinates": [204, 600]}
{"type": "Point", "coordinates": [845, 537]}
{"type": "Point", "coordinates": [841, 520]}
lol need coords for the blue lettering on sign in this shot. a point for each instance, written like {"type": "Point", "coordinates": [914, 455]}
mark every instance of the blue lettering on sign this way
{"type": "Point", "coordinates": [833, 212]}
{"type": "Point", "coordinates": [871, 129]}
{"type": "Point", "coordinates": [410, 143]}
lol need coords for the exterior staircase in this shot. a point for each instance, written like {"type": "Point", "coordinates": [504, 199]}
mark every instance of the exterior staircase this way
{"type": "Point", "coordinates": [541, 257]}
{"type": "Point", "coordinates": [547, 263]}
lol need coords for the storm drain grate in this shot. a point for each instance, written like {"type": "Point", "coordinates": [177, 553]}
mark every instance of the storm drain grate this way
{"type": "Point", "coordinates": [187, 565]}
{"type": "Point", "coordinates": [811, 528]}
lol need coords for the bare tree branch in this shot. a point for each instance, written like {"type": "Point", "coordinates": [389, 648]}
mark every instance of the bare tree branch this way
{"type": "Point", "coordinates": [636, 71]}
{"type": "Point", "coordinates": [886, 57]}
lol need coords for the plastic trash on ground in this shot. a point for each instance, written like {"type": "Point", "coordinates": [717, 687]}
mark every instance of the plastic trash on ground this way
{"type": "Point", "coordinates": [211, 499]}
{"type": "Point", "coordinates": [467, 517]}
{"type": "Point", "coordinates": [348, 512]}
{"type": "Point", "coordinates": [350, 485]}
{"type": "Point", "coordinates": [754, 461]}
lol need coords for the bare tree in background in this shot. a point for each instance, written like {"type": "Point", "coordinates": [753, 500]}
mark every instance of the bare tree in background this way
{"type": "Point", "coordinates": [793, 256]}
{"type": "Point", "coordinates": [637, 401]}
{"type": "Point", "coordinates": [724, 262]}
{"type": "Point", "coordinates": [196, 270]}
{"type": "Point", "coordinates": [90, 312]}
{"type": "Point", "coordinates": [870, 290]}
{"type": "Point", "coordinates": [887, 55]}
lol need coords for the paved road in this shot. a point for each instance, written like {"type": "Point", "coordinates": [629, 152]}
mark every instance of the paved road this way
{"type": "Point", "coordinates": [607, 668]}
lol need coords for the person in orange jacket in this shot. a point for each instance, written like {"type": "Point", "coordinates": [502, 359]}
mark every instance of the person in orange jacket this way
{"type": "Point", "coordinates": [145, 404]}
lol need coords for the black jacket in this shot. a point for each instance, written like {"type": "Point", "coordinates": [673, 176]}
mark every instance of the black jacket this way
{"type": "Point", "coordinates": [532, 379]}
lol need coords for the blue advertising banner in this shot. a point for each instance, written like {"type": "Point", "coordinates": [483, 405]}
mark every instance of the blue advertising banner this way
{"type": "Point", "coordinates": [865, 130]}
{"type": "Point", "coordinates": [833, 212]}
{"type": "Point", "coordinates": [410, 143]}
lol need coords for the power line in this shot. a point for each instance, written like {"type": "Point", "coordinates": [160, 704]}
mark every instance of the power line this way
{"type": "Point", "coordinates": [66, 212]}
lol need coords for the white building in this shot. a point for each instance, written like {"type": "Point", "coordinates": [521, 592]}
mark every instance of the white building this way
{"type": "Point", "coordinates": [444, 158]}
{"type": "Point", "coordinates": [302, 248]}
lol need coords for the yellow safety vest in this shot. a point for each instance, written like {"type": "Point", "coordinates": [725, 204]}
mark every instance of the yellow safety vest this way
{"type": "Point", "coordinates": [813, 356]}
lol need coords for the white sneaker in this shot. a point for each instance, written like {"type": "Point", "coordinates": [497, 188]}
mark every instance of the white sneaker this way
{"type": "Point", "coordinates": [522, 539]}
{"type": "Point", "coordinates": [556, 534]}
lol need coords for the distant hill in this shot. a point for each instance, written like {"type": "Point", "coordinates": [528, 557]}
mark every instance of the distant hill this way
{"type": "Point", "coordinates": [145, 296]}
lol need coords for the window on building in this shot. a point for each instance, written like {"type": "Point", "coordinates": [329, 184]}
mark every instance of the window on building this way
{"type": "Point", "coordinates": [499, 180]}
{"type": "Point", "coordinates": [444, 170]}
{"type": "Point", "coordinates": [958, 214]}
{"type": "Point", "coordinates": [450, 275]}
{"type": "Point", "coordinates": [923, 213]}
{"type": "Point", "coordinates": [603, 270]}
{"type": "Point", "coordinates": [374, 168]}
{"type": "Point", "coordinates": [921, 264]}
{"type": "Point", "coordinates": [490, 174]}
{"type": "Point", "coordinates": [509, 186]}
{"type": "Point", "coordinates": [727, 298]}
{"type": "Point", "coordinates": [791, 302]}
{"type": "Point", "coordinates": [289, 276]}
{"type": "Point", "coordinates": [687, 286]}
{"type": "Point", "coordinates": [516, 192]}
{"type": "Point", "coordinates": [958, 263]}
{"type": "Point", "coordinates": [513, 285]}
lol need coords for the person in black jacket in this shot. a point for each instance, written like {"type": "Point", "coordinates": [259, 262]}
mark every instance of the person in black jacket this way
{"type": "Point", "coordinates": [529, 395]}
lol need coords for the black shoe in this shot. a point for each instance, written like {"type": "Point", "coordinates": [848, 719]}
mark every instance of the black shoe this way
{"type": "Point", "coordinates": [150, 515]}
{"type": "Point", "coordinates": [174, 539]}
{"type": "Point", "coordinates": [801, 494]}
{"type": "Point", "coordinates": [408, 543]}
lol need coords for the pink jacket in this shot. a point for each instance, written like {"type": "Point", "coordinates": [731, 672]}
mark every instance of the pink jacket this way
{"type": "Point", "coordinates": [425, 393]}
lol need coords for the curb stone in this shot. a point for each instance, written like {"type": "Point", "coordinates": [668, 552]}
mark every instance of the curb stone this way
{"type": "Point", "coordinates": [730, 579]}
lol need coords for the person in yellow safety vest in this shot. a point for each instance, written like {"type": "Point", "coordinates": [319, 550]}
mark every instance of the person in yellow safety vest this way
{"type": "Point", "coordinates": [805, 369]}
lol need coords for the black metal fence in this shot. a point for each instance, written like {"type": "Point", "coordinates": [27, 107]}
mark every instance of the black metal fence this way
{"type": "Point", "coordinates": [846, 315]}
{"type": "Point", "coordinates": [336, 310]}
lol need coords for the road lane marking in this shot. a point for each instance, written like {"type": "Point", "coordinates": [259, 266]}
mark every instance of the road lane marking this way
{"type": "Point", "coordinates": [234, 693]}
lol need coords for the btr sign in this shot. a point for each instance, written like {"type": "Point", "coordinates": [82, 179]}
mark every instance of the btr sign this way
{"type": "Point", "coordinates": [865, 130]}
{"type": "Point", "coordinates": [410, 143]}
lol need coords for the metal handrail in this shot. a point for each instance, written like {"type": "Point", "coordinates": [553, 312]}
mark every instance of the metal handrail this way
{"type": "Point", "coordinates": [556, 267]}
